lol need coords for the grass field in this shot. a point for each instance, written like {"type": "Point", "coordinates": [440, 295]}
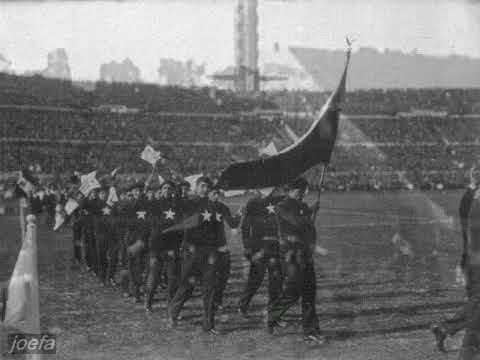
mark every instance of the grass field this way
{"type": "Point", "coordinates": [371, 305]}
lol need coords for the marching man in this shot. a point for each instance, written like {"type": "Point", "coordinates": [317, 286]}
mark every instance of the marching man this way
{"type": "Point", "coordinates": [298, 243]}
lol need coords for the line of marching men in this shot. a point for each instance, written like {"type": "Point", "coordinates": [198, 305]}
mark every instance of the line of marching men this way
{"type": "Point", "coordinates": [169, 236]}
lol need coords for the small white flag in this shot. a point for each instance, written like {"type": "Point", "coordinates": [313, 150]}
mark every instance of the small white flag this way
{"type": "Point", "coordinates": [59, 217]}
{"type": "Point", "coordinates": [161, 180]}
{"type": "Point", "coordinates": [269, 150]}
{"type": "Point", "coordinates": [192, 180]}
{"type": "Point", "coordinates": [60, 212]}
{"type": "Point", "coordinates": [70, 206]}
{"type": "Point", "coordinates": [87, 177]}
{"type": "Point", "coordinates": [150, 155]}
{"type": "Point", "coordinates": [40, 195]}
{"type": "Point", "coordinates": [25, 184]}
{"type": "Point", "coordinates": [89, 182]}
{"type": "Point", "coordinates": [112, 196]}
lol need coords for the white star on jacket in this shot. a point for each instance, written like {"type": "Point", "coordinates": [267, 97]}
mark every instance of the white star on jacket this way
{"type": "Point", "coordinates": [141, 214]}
{"type": "Point", "coordinates": [169, 214]}
{"type": "Point", "coordinates": [270, 208]}
{"type": "Point", "coordinates": [218, 216]}
{"type": "Point", "coordinates": [206, 215]}
{"type": "Point", "coordinates": [106, 210]}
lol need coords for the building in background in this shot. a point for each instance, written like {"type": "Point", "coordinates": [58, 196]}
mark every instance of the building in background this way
{"type": "Point", "coordinates": [57, 66]}
{"type": "Point", "coordinates": [124, 72]}
{"type": "Point", "coordinates": [181, 73]}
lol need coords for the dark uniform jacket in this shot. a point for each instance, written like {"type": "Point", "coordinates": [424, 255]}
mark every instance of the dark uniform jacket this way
{"type": "Point", "coordinates": [165, 213]}
{"type": "Point", "coordinates": [138, 214]}
{"type": "Point", "coordinates": [260, 222]}
{"type": "Point", "coordinates": [223, 214]}
{"type": "Point", "coordinates": [104, 217]}
{"type": "Point", "coordinates": [295, 220]}
{"type": "Point", "coordinates": [205, 231]}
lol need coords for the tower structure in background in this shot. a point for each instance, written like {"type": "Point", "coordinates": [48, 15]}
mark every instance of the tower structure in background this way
{"type": "Point", "coordinates": [246, 46]}
{"type": "Point", "coordinates": [246, 77]}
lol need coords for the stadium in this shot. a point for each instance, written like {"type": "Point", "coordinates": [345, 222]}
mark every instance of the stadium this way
{"type": "Point", "coordinates": [388, 216]}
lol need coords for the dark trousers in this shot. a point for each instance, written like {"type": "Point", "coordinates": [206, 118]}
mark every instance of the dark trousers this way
{"type": "Point", "coordinates": [471, 341]}
{"type": "Point", "coordinates": [169, 261]}
{"type": "Point", "coordinates": [90, 247]}
{"type": "Point", "coordinates": [266, 259]}
{"type": "Point", "coordinates": [197, 263]}
{"type": "Point", "coordinates": [223, 274]}
{"type": "Point", "coordinates": [122, 234]}
{"type": "Point", "coordinates": [300, 282]}
{"type": "Point", "coordinates": [103, 238]}
{"type": "Point", "coordinates": [77, 241]}
{"type": "Point", "coordinates": [113, 252]}
{"type": "Point", "coordinates": [460, 320]}
{"type": "Point", "coordinates": [136, 254]}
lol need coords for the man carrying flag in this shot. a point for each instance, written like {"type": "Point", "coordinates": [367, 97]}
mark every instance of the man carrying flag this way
{"type": "Point", "coordinates": [298, 241]}
{"type": "Point", "coordinates": [314, 147]}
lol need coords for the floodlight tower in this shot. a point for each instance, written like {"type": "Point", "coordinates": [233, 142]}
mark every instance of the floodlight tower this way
{"type": "Point", "coordinates": [246, 78]}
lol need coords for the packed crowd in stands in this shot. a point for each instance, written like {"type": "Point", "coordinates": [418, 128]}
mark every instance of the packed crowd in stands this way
{"type": "Point", "coordinates": [389, 139]}
{"type": "Point", "coordinates": [92, 126]}
{"type": "Point", "coordinates": [39, 91]}
{"type": "Point", "coordinates": [419, 129]}
{"type": "Point", "coordinates": [372, 153]}
{"type": "Point", "coordinates": [388, 102]}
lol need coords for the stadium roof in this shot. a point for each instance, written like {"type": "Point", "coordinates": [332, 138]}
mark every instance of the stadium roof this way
{"type": "Point", "coordinates": [389, 69]}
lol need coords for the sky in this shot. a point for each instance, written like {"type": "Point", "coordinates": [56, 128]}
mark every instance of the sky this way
{"type": "Point", "coordinates": [96, 32]}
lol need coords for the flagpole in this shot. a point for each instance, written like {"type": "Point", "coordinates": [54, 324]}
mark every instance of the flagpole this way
{"type": "Point", "coordinates": [320, 184]}
{"type": "Point", "coordinates": [22, 218]}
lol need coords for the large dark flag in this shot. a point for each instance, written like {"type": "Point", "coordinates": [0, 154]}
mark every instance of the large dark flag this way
{"type": "Point", "coordinates": [314, 147]}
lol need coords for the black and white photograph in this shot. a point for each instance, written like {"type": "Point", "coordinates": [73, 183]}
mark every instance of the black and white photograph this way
{"type": "Point", "coordinates": [240, 179]}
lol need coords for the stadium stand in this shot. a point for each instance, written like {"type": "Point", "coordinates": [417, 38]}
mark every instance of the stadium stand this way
{"type": "Point", "coordinates": [388, 139]}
